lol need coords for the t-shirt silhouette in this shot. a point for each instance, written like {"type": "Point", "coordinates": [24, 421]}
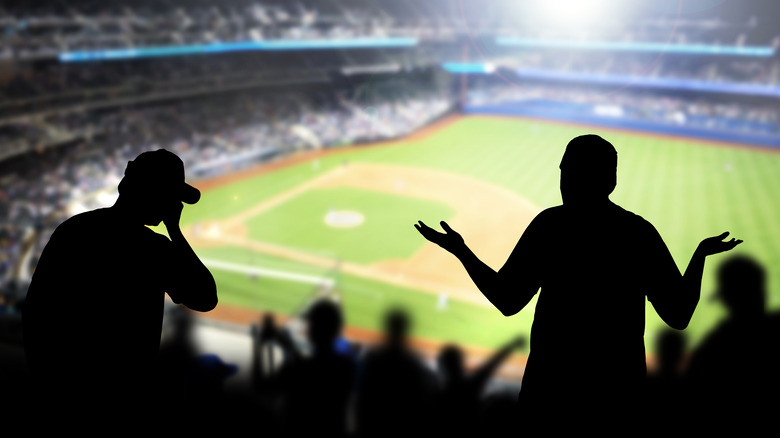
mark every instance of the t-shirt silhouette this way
{"type": "Point", "coordinates": [595, 267]}
{"type": "Point", "coordinates": [94, 308]}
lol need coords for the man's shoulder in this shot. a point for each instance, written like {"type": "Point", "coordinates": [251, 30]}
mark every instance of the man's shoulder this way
{"type": "Point", "coordinates": [77, 226]}
{"type": "Point", "coordinates": [551, 213]}
{"type": "Point", "coordinates": [87, 218]}
{"type": "Point", "coordinates": [557, 209]}
{"type": "Point", "coordinates": [548, 220]}
{"type": "Point", "coordinates": [560, 212]}
{"type": "Point", "coordinates": [632, 218]}
{"type": "Point", "coordinates": [102, 222]}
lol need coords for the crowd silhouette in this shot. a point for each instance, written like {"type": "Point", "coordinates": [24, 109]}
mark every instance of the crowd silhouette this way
{"type": "Point", "coordinates": [734, 371]}
{"type": "Point", "coordinates": [592, 263]}
{"type": "Point", "coordinates": [385, 388]}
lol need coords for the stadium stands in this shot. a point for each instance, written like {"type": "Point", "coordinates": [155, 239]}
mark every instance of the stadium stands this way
{"type": "Point", "coordinates": [216, 133]}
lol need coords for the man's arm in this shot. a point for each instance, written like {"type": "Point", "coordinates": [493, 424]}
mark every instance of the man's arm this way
{"type": "Point", "coordinates": [509, 289]}
{"type": "Point", "coordinates": [193, 284]}
{"type": "Point", "coordinates": [675, 297]}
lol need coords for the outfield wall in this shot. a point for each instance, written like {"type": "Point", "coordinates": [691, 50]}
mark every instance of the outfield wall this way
{"type": "Point", "coordinates": [588, 114]}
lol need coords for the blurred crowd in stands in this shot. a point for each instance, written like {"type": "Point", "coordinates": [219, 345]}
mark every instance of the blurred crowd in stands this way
{"type": "Point", "coordinates": [43, 29]}
{"type": "Point", "coordinates": [213, 134]}
{"type": "Point", "coordinates": [49, 86]}
{"type": "Point", "coordinates": [55, 27]}
{"type": "Point", "coordinates": [711, 111]}
{"type": "Point", "coordinates": [705, 68]}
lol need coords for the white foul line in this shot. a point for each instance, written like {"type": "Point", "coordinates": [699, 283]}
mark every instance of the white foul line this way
{"type": "Point", "coordinates": [272, 273]}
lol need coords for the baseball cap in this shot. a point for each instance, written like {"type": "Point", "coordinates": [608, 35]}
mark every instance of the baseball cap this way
{"type": "Point", "coordinates": [165, 170]}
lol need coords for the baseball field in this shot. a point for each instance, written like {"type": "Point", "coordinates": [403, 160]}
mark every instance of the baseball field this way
{"type": "Point", "coordinates": [341, 221]}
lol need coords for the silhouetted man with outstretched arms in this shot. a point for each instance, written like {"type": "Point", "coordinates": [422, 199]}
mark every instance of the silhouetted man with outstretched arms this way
{"type": "Point", "coordinates": [595, 263]}
{"type": "Point", "coordinates": [92, 318]}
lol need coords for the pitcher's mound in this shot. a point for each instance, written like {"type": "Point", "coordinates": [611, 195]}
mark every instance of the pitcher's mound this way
{"type": "Point", "coordinates": [344, 218]}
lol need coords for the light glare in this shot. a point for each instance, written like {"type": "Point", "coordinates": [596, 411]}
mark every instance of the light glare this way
{"type": "Point", "coordinates": [573, 13]}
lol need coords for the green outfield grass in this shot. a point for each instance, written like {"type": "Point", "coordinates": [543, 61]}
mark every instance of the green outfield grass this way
{"type": "Point", "coordinates": [688, 189]}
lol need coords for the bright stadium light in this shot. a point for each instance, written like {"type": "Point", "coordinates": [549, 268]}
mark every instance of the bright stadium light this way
{"type": "Point", "coordinates": [572, 14]}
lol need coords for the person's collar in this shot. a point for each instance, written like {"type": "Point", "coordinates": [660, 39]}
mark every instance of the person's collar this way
{"type": "Point", "coordinates": [589, 205]}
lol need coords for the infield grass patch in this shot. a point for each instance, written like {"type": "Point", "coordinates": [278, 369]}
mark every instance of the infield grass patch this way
{"type": "Point", "coordinates": [387, 231]}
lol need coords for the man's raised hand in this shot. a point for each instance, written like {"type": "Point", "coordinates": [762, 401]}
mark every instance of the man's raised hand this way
{"type": "Point", "coordinates": [172, 215]}
{"type": "Point", "coordinates": [716, 244]}
{"type": "Point", "coordinates": [450, 240]}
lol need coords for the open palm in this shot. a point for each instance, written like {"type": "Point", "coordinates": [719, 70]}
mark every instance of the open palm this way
{"type": "Point", "coordinates": [450, 240]}
{"type": "Point", "coordinates": [716, 244]}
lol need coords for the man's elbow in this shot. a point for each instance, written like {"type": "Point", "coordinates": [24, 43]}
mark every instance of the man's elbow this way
{"type": "Point", "coordinates": [204, 305]}
{"type": "Point", "coordinates": [514, 306]}
{"type": "Point", "coordinates": [509, 310]}
{"type": "Point", "coordinates": [209, 307]}
{"type": "Point", "coordinates": [209, 299]}
{"type": "Point", "coordinates": [682, 318]}
{"type": "Point", "coordinates": [678, 323]}
{"type": "Point", "coordinates": [201, 299]}
{"type": "Point", "coordinates": [676, 314]}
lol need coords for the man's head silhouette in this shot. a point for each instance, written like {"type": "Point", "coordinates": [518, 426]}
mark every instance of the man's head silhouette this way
{"type": "Point", "coordinates": [588, 170]}
{"type": "Point", "coordinates": [324, 323]}
{"type": "Point", "coordinates": [153, 182]}
{"type": "Point", "coordinates": [397, 325]}
{"type": "Point", "coordinates": [450, 361]}
{"type": "Point", "coordinates": [741, 286]}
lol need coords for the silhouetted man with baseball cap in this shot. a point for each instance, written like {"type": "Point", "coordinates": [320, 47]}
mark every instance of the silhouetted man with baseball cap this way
{"type": "Point", "coordinates": [595, 263]}
{"type": "Point", "coordinates": [93, 313]}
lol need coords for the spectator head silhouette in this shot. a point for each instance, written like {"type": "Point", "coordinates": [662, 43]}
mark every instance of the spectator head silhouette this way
{"type": "Point", "coordinates": [324, 323]}
{"type": "Point", "coordinates": [588, 170]}
{"type": "Point", "coordinates": [397, 324]}
{"type": "Point", "coordinates": [153, 181]}
{"type": "Point", "coordinates": [741, 287]}
{"type": "Point", "coordinates": [268, 329]}
{"type": "Point", "coordinates": [450, 363]}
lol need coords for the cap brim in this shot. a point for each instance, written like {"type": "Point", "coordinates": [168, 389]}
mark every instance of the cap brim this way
{"type": "Point", "coordinates": [189, 194]}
